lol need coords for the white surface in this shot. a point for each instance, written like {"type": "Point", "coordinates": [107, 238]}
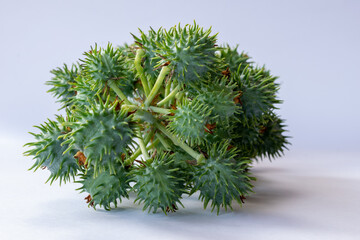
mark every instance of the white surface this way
{"type": "Point", "coordinates": [300, 196]}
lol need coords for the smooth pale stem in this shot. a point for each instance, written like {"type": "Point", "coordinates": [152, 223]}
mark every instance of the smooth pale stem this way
{"type": "Point", "coordinates": [160, 110]}
{"type": "Point", "coordinates": [164, 71]}
{"type": "Point", "coordinates": [168, 87]}
{"type": "Point", "coordinates": [137, 153]}
{"type": "Point", "coordinates": [142, 145]}
{"type": "Point", "coordinates": [149, 136]}
{"type": "Point", "coordinates": [163, 141]}
{"type": "Point", "coordinates": [199, 157]}
{"type": "Point", "coordinates": [169, 97]}
{"type": "Point", "coordinates": [132, 107]}
{"type": "Point", "coordinates": [140, 70]}
{"type": "Point", "coordinates": [129, 108]}
{"type": "Point", "coordinates": [179, 96]}
{"type": "Point", "coordinates": [118, 92]}
{"type": "Point", "coordinates": [150, 83]}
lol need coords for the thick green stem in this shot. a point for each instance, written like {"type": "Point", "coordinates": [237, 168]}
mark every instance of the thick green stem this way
{"type": "Point", "coordinates": [163, 141]}
{"type": "Point", "coordinates": [142, 145]}
{"type": "Point", "coordinates": [132, 107]}
{"type": "Point", "coordinates": [164, 71]}
{"type": "Point", "coordinates": [137, 153]}
{"type": "Point", "coordinates": [169, 97]}
{"type": "Point", "coordinates": [160, 110]}
{"type": "Point", "coordinates": [140, 70]}
{"type": "Point", "coordinates": [118, 92]}
{"type": "Point", "coordinates": [168, 87]}
{"type": "Point", "coordinates": [129, 108]}
{"type": "Point", "coordinates": [149, 136]}
{"type": "Point", "coordinates": [198, 156]}
{"type": "Point", "coordinates": [179, 96]}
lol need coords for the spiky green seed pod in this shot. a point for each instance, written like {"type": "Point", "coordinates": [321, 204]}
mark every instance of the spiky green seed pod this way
{"type": "Point", "coordinates": [222, 178]}
{"type": "Point", "coordinates": [128, 81]}
{"type": "Point", "coordinates": [218, 131]}
{"type": "Point", "coordinates": [233, 59]}
{"type": "Point", "coordinates": [83, 92]}
{"type": "Point", "coordinates": [106, 188]}
{"type": "Point", "coordinates": [48, 151]}
{"type": "Point", "coordinates": [257, 94]}
{"type": "Point", "coordinates": [62, 83]}
{"type": "Point", "coordinates": [148, 42]}
{"type": "Point", "coordinates": [189, 120]}
{"type": "Point", "coordinates": [186, 165]}
{"type": "Point", "coordinates": [128, 50]}
{"type": "Point", "coordinates": [266, 139]}
{"type": "Point", "coordinates": [219, 96]}
{"type": "Point", "coordinates": [105, 64]}
{"type": "Point", "coordinates": [86, 95]}
{"type": "Point", "coordinates": [102, 134]}
{"type": "Point", "coordinates": [158, 185]}
{"type": "Point", "coordinates": [272, 140]}
{"type": "Point", "coordinates": [244, 137]}
{"type": "Point", "coordinates": [190, 51]}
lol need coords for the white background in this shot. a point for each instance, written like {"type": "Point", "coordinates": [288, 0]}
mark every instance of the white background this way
{"type": "Point", "coordinates": [313, 46]}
